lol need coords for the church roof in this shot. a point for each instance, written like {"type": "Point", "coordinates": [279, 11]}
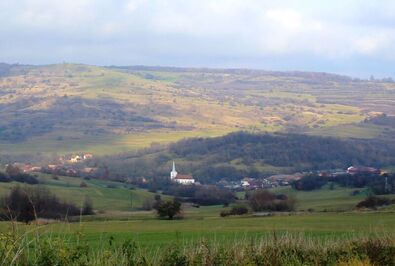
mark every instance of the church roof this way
{"type": "Point", "coordinates": [183, 177]}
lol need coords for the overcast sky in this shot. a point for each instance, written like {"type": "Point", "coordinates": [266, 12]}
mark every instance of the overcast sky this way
{"type": "Point", "coordinates": [354, 37]}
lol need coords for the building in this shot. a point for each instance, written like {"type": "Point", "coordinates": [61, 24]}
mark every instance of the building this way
{"type": "Point", "coordinates": [88, 156]}
{"type": "Point", "coordinates": [181, 179]}
{"type": "Point", "coordinates": [75, 159]}
{"type": "Point", "coordinates": [353, 170]}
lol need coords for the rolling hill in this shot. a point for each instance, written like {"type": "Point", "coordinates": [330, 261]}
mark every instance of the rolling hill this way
{"type": "Point", "coordinates": [105, 110]}
{"type": "Point", "coordinates": [239, 154]}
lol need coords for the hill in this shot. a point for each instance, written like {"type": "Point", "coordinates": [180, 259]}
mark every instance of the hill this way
{"type": "Point", "coordinates": [105, 110]}
{"type": "Point", "coordinates": [107, 196]}
{"type": "Point", "coordinates": [241, 154]}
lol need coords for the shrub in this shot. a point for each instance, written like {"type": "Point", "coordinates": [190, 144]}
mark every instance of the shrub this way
{"type": "Point", "coordinates": [25, 178]}
{"type": "Point", "coordinates": [264, 200]}
{"type": "Point", "coordinates": [373, 202]}
{"type": "Point", "coordinates": [235, 210]}
{"type": "Point", "coordinates": [4, 178]}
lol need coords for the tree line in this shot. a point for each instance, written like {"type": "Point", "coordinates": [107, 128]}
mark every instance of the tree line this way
{"type": "Point", "coordinates": [378, 184]}
{"type": "Point", "coordinates": [26, 204]}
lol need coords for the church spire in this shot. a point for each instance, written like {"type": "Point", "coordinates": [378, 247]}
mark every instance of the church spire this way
{"type": "Point", "coordinates": [173, 173]}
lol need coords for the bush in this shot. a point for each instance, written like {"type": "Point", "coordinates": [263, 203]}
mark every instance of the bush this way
{"type": "Point", "coordinates": [25, 178]}
{"type": "Point", "coordinates": [264, 200]}
{"type": "Point", "coordinates": [4, 178]}
{"type": "Point", "coordinates": [373, 202]}
{"type": "Point", "coordinates": [235, 210]}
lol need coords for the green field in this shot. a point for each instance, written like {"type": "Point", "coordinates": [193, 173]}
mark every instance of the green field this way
{"type": "Point", "coordinates": [332, 222]}
{"type": "Point", "coordinates": [120, 198]}
{"type": "Point", "coordinates": [106, 195]}
{"type": "Point", "coordinates": [118, 216]}
{"type": "Point", "coordinates": [147, 230]}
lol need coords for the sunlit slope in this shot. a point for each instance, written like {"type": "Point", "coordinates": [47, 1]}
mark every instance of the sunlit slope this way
{"type": "Point", "coordinates": [67, 108]}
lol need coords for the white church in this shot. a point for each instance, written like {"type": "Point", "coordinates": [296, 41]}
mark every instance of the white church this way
{"type": "Point", "coordinates": [182, 179]}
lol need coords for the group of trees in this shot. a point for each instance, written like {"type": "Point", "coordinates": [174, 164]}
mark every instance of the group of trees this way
{"type": "Point", "coordinates": [379, 184]}
{"type": "Point", "coordinates": [264, 200]}
{"type": "Point", "coordinates": [202, 195]}
{"type": "Point", "coordinates": [374, 202]}
{"type": "Point", "coordinates": [29, 203]}
{"type": "Point", "coordinates": [13, 173]}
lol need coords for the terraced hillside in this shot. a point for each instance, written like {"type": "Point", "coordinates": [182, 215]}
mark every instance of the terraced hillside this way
{"type": "Point", "coordinates": [68, 108]}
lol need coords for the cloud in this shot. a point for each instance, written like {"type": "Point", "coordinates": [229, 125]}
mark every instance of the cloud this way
{"type": "Point", "coordinates": [207, 32]}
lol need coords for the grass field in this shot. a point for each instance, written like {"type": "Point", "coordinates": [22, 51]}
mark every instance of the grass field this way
{"type": "Point", "coordinates": [118, 217]}
{"type": "Point", "coordinates": [105, 195]}
{"type": "Point", "coordinates": [147, 230]}
{"type": "Point", "coordinates": [116, 197]}
{"type": "Point", "coordinates": [104, 145]}
{"type": "Point", "coordinates": [116, 222]}
{"type": "Point", "coordinates": [325, 199]}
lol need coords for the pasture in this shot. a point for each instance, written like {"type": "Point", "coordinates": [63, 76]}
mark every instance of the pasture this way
{"type": "Point", "coordinates": [148, 231]}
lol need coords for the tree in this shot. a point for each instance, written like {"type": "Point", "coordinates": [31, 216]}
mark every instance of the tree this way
{"type": "Point", "coordinates": [169, 208]}
{"type": "Point", "coordinates": [12, 170]}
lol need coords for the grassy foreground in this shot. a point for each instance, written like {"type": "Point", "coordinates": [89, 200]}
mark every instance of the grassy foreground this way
{"type": "Point", "coordinates": [202, 237]}
{"type": "Point", "coordinates": [284, 249]}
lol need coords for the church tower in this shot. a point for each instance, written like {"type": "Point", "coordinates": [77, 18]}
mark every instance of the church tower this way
{"type": "Point", "coordinates": [173, 172]}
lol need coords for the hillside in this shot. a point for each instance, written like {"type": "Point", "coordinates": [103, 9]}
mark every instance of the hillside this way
{"type": "Point", "coordinates": [241, 154]}
{"type": "Point", "coordinates": [105, 110]}
{"type": "Point", "coordinates": [106, 196]}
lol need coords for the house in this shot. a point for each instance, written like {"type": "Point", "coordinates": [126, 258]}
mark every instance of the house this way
{"type": "Point", "coordinates": [28, 168]}
{"type": "Point", "coordinates": [88, 156]}
{"type": "Point", "coordinates": [353, 170]}
{"type": "Point", "coordinates": [246, 182]}
{"type": "Point", "coordinates": [181, 179]}
{"type": "Point", "coordinates": [75, 159]}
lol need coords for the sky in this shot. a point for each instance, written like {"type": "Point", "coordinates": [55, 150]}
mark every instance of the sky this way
{"type": "Point", "coordinates": [351, 37]}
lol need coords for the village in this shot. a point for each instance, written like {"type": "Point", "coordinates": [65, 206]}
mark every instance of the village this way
{"type": "Point", "coordinates": [74, 165]}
